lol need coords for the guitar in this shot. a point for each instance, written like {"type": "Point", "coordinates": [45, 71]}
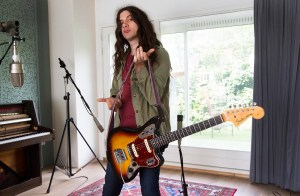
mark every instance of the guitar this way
{"type": "Point", "coordinates": [130, 149]}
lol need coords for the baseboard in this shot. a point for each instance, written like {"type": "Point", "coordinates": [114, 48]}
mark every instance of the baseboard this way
{"type": "Point", "coordinates": [204, 171]}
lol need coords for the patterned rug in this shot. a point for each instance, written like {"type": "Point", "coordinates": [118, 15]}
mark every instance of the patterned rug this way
{"type": "Point", "coordinates": [168, 187]}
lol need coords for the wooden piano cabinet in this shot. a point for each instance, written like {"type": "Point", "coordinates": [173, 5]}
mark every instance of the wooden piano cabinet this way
{"type": "Point", "coordinates": [21, 136]}
{"type": "Point", "coordinates": [20, 169]}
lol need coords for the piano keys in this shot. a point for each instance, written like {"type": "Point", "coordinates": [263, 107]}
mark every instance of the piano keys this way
{"type": "Point", "coordinates": [21, 136]}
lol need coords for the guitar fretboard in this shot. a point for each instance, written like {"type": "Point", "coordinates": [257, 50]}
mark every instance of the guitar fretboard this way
{"type": "Point", "coordinates": [181, 133]}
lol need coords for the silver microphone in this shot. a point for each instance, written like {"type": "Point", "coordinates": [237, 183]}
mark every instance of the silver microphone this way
{"type": "Point", "coordinates": [16, 68]}
{"type": "Point", "coordinates": [179, 125]}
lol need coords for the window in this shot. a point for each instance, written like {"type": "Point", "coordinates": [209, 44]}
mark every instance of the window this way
{"type": "Point", "coordinates": [212, 68]}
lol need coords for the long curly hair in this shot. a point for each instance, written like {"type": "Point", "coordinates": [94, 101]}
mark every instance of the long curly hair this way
{"type": "Point", "coordinates": [146, 34]}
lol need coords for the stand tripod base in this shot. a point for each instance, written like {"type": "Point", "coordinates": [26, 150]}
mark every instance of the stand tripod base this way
{"type": "Point", "coordinates": [69, 170]}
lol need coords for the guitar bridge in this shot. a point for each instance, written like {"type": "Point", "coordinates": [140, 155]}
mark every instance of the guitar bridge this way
{"type": "Point", "coordinates": [120, 155]}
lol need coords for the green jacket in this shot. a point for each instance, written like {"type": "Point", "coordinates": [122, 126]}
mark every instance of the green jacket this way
{"type": "Point", "coordinates": [143, 98]}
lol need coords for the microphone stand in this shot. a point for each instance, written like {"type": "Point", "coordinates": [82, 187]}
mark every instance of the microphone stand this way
{"type": "Point", "coordinates": [14, 38]}
{"type": "Point", "coordinates": [184, 185]}
{"type": "Point", "coordinates": [67, 125]}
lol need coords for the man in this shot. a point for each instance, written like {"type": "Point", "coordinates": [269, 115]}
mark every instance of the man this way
{"type": "Point", "coordinates": [137, 43]}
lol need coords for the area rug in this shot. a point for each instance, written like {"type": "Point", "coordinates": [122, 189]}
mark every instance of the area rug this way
{"type": "Point", "coordinates": [168, 187]}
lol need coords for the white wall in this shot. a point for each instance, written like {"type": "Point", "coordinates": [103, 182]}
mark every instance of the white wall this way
{"type": "Point", "coordinates": [75, 37]}
{"type": "Point", "coordinates": [72, 38]}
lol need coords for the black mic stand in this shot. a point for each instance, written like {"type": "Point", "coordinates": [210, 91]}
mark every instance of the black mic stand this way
{"type": "Point", "coordinates": [67, 127]}
{"type": "Point", "coordinates": [15, 37]}
{"type": "Point", "coordinates": [184, 185]}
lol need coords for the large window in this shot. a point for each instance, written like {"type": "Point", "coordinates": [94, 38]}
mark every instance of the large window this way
{"type": "Point", "coordinates": [212, 69]}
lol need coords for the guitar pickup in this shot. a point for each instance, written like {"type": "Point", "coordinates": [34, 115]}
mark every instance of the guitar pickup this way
{"type": "Point", "coordinates": [120, 155]}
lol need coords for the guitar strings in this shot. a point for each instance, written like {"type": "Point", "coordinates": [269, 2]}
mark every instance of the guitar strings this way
{"type": "Point", "coordinates": [142, 144]}
{"type": "Point", "coordinates": [187, 130]}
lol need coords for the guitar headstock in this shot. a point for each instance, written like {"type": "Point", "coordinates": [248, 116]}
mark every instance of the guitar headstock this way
{"type": "Point", "coordinates": [238, 116]}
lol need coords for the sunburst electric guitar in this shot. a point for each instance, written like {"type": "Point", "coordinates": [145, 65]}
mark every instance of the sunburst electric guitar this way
{"type": "Point", "coordinates": [130, 149]}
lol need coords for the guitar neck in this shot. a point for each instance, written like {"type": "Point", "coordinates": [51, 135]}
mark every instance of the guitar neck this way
{"type": "Point", "coordinates": [184, 132]}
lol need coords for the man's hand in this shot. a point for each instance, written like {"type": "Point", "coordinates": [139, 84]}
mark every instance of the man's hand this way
{"type": "Point", "coordinates": [140, 57]}
{"type": "Point", "coordinates": [110, 102]}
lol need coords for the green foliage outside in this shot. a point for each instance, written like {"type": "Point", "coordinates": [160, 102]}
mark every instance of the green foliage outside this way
{"type": "Point", "coordinates": [218, 73]}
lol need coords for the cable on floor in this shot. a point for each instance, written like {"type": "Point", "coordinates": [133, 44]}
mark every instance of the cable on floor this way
{"type": "Point", "coordinates": [81, 183]}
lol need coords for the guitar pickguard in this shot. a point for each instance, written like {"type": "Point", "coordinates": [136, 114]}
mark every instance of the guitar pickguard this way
{"type": "Point", "coordinates": [148, 131]}
{"type": "Point", "coordinates": [141, 152]}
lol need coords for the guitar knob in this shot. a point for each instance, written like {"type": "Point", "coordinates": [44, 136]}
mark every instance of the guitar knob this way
{"type": "Point", "coordinates": [134, 164]}
{"type": "Point", "coordinates": [130, 170]}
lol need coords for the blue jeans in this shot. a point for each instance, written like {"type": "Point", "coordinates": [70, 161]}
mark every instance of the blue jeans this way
{"type": "Point", "coordinates": [149, 180]}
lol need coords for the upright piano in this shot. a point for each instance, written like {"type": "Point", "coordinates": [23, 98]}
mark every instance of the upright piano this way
{"type": "Point", "coordinates": [21, 137]}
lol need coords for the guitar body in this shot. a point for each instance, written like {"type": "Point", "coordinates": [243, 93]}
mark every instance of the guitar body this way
{"type": "Point", "coordinates": [129, 149]}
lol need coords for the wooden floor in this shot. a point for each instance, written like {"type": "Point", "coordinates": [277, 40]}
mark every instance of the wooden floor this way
{"type": "Point", "coordinates": [62, 184]}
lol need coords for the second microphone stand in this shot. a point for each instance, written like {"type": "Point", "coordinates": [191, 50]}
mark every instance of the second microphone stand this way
{"type": "Point", "coordinates": [67, 127]}
{"type": "Point", "coordinates": [184, 185]}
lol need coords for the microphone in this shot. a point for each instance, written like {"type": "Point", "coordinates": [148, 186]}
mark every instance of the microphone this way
{"type": "Point", "coordinates": [179, 125]}
{"type": "Point", "coordinates": [98, 123]}
{"type": "Point", "coordinates": [10, 27]}
{"type": "Point", "coordinates": [16, 68]}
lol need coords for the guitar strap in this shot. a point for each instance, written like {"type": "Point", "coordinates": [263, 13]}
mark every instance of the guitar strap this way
{"type": "Point", "coordinates": [158, 102]}
{"type": "Point", "coordinates": [118, 96]}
